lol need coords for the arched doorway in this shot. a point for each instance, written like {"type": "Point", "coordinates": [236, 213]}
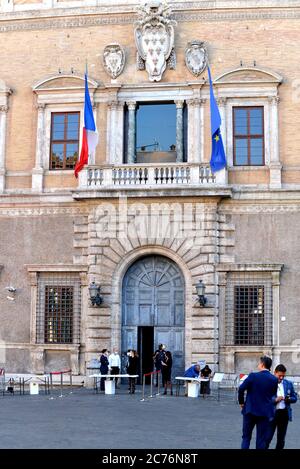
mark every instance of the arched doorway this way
{"type": "Point", "coordinates": [153, 310]}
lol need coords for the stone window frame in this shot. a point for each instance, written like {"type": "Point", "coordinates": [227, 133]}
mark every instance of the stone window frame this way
{"type": "Point", "coordinates": [38, 349]}
{"type": "Point", "coordinates": [274, 271]}
{"type": "Point", "coordinates": [49, 99]}
{"type": "Point", "coordinates": [259, 88]}
{"type": "Point", "coordinates": [5, 92]}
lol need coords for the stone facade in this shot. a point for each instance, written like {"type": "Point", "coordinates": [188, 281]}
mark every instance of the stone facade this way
{"type": "Point", "coordinates": [242, 220]}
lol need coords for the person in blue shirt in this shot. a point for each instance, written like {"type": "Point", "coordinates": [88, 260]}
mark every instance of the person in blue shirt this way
{"type": "Point", "coordinates": [286, 396]}
{"type": "Point", "coordinates": [192, 372]}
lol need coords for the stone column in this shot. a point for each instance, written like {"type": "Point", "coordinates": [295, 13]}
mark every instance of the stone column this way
{"type": "Point", "coordinates": [199, 135]}
{"type": "Point", "coordinates": [179, 131]}
{"type": "Point", "coordinates": [111, 124]}
{"type": "Point", "coordinates": [38, 171]}
{"type": "Point", "coordinates": [115, 125]}
{"type": "Point", "coordinates": [275, 165]}
{"type": "Point", "coordinates": [119, 150]}
{"type": "Point", "coordinates": [195, 130]}
{"type": "Point", "coordinates": [131, 157]}
{"type": "Point", "coordinates": [3, 113]}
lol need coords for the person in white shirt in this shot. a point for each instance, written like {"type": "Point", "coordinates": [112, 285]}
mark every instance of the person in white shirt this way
{"type": "Point", "coordinates": [114, 363]}
{"type": "Point", "coordinates": [286, 396]}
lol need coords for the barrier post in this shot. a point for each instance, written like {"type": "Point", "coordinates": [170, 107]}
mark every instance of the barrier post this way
{"type": "Point", "coordinates": [61, 384]}
{"type": "Point", "coordinates": [71, 383]}
{"type": "Point", "coordinates": [143, 391]}
{"type": "Point", "coordinates": [158, 383]}
{"type": "Point", "coordinates": [151, 385]}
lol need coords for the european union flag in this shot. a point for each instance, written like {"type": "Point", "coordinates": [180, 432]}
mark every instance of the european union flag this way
{"type": "Point", "coordinates": [218, 158]}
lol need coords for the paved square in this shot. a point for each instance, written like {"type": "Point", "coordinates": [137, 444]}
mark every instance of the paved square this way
{"type": "Point", "coordinates": [86, 420]}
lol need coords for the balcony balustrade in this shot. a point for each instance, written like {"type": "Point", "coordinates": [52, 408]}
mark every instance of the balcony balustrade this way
{"type": "Point", "coordinates": [140, 176]}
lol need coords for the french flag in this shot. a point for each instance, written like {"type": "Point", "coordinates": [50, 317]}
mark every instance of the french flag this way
{"type": "Point", "coordinates": [89, 131]}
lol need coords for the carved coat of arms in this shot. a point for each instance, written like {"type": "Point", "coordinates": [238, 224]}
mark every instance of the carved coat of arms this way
{"type": "Point", "coordinates": [196, 57]}
{"type": "Point", "coordinates": [154, 37]}
{"type": "Point", "coordinates": [114, 59]}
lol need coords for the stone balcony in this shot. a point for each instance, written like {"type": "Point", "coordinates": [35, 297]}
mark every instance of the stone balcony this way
{"type": "Point", "coordinates": [151, 179]}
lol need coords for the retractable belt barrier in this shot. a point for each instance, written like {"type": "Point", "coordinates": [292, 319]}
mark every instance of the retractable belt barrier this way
{"type": "Point", "coordinates": [151, 374]}
{"type": "Point", "coordinates": [61, 374]}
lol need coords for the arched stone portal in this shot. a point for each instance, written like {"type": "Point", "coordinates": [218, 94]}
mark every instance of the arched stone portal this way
{"type": "Point", "coordinates": [153, 299]}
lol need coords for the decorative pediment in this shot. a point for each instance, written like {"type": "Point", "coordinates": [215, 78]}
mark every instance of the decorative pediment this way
{"type": "Point", "coordinates": [63, 81]}
{"type": "Point", "coordinates": [253, 75]}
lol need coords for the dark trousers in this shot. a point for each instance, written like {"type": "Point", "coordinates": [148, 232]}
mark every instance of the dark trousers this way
{"type": "Point", "coordinates": [280, 422]}
{"type": "Point", "coordinates": [263, 430]}
{"type": "Point", "coordinates": [115, 370]}
{"type": "Point", "coordinates": [131, 385]}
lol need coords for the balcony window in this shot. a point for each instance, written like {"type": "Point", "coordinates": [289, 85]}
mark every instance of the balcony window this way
{"type": "Point", "coordinates": [248, 136]}
{"type": "Point", "coordinates": [155, 132]}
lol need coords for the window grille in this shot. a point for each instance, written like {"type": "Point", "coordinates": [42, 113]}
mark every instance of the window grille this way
{"type": "Point", "coordinates": [249, 309]}
{"type": "Point", "coordinates": [58, 309]}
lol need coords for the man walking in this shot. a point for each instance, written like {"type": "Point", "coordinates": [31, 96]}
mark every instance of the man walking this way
{"type": "Point", "coordinates": [286, 396]}
{"type": "Point", "coordinates": [258, 410]}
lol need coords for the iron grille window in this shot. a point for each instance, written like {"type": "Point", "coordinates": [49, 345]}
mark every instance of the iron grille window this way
{"type": "Point", "coordinates": [58, 309]}
{"type": "Point", "coordinates": [64, 140]}
{"type": "Point", "coordinates": [249, 315]}
{"type": "Point", "coordinates": [248, 310]}
{"type": "Point", "coordinates": [248, 136]}
{"type": "Point", "coordinates": [59, 314]}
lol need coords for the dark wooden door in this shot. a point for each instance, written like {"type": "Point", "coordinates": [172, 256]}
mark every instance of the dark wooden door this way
{"type": "Point", "coordinates": [153, 295]}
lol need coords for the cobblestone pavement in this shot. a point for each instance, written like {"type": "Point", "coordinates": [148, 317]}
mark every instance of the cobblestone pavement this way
{"type": "Point", "coordinates": [87, 420]}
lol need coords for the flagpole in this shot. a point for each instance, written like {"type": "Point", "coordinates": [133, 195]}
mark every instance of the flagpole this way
{"type": "Point", "coordinates": [216, 316]}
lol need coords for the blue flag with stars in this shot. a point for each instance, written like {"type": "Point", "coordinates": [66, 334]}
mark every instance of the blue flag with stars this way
{"type": "Point", "coordinates": [218, 158]}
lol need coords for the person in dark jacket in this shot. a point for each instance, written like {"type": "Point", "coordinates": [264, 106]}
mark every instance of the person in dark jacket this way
{"type": "Point", "coordinates": [167, 372]}
{"type": "Point", "coordinates": [103, 366]}
{"type": "Point", "coordinates": [205, 385]}
{"type": "Point", "coordinates": [286, 396]}
{"type": "Point", "coordinates": [159, 358]}
{"type": "Point", "coordinates": [258, 410]}
{"type": "Point", "coordinates": [132, 366]}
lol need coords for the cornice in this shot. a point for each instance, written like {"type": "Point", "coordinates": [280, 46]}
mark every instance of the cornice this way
{"type": "Point", "coordinates": [36, 211]}
{"type": "Point", "coordinates": [212, 11]}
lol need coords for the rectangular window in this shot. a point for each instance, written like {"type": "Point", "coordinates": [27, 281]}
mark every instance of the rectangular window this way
{"type": "Point", "coordinates": [59, 314]}
{"type": "Point", "coordinates": [248, 136]}
{"type": "Point", "coordinates": [58, 308]}
{"type": "Point", "coordinates": [249, 309]}
{"type": "Point", "coordinates": [64, 146]}
{"type": "Point", "coordinates": [249, 315]}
